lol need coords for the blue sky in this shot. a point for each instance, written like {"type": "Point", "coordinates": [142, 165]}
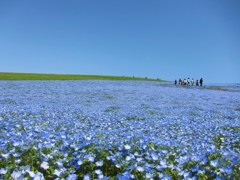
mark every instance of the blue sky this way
{"type": "Point", "coordinates": [157, 38]}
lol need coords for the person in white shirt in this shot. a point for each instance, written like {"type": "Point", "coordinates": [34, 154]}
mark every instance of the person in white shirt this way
{"type": "Point", "coordinates": [192, 82]}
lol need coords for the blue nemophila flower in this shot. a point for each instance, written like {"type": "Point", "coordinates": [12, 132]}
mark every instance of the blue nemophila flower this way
{"type": "Point", "coordinates": [127, 174]}
{"type": "Point", "coordinates": [71, 177]}
{"type": "Point", "coordinates": [204, 161]}
{"type": "Point", "coordinates": [16, 174]}
{"type": "Point", "coordinates": [101, 176]}
{"type": "Point", "coordinates": [3, 170]}
{"type": "Point", "coordinates": [136, 154]}
{"type": "Point", "coordinates": [90, 157]}
{"type": "Point", "coordinates": [164, 163]}
{"type": "Point", "coordinates": [219, 178]}
{"type": "Point", "coordinates": [159, 168]}
{"type": "Point", "coordinates": [98, 171]}
{"type": "Point", "coordinates": [118, 165]}
{"type": "Point", "coordinates": [25, 168]}
{"type": "Point", "coordinates": [87, 177]}
{"type": "Point", "coordinates": [149, 175]}
{"type": "Point", "coordinates": [88, 138]}
{"type": "Point", "coordinates": [186, 174]}
{"type": "Point", "coordinates": [17, 143]}
{"type": "Point", "coordinates": [164, 177]}
{"type": "Point", "coordinates": [214, 163]}
{"type": "Point", "coordinates": [31, 173]}
{"type": "Point", "coordinates": [44, 165]}
{"type": "Point", "coordinates": [38, 176]}
{"type": "Point", "coordinates": [5, 156]}
{"type": "Point", "coordinates": [16, 154]}
{"type": "Point", "coordinates": [128, 158]}
{"type": "Point", "coordinates": [228, 169]}
{"type": "Point", "coordinates": [57, 172]}
{"type": "Point", "coordinates": [17, 161]}
{"type": "Point", "coordinates": [140, 169]}
{"type": "Point", "coordinates": [154, 156]}
{"type": "Point", "coordinates": [195, 168]}
{"type": "Point", "coordinates": [59, 163]}
{"type": "Point", "coordinates": [79, 162]}
{"type": "Point", "coordinates": [99, 163]}
{"type": "Point", "coordinates": [139, 159]}
{"type": "Point", "coordinates": [127, 146]}
{"type": "Point", "coordinates": [201, 171]}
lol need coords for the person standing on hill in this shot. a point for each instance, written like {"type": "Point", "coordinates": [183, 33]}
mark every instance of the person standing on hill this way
{"type": "Point", "coordinates": [197, 82]}
{"type": "Point", "coordinates": [188, 81]}
{"type": "Point", "coordinates": [175, 82]}
{"type": "Point", "coordinates": [192, 81]}
{"type": "Point", "coordinates": [184, 82]}
{"type": "Point", "coordinates": [201, 81]}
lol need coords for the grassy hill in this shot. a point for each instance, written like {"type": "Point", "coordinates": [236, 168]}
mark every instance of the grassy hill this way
{"type": "Point", "coordinates": [36, 76]}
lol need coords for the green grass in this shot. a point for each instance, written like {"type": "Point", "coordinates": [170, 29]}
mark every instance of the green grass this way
{"type": "Point", "coordinates": [36, 76]}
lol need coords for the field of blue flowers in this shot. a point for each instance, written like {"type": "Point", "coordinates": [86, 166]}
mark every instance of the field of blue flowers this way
{"type": "Point", "coordinates": [117, 130]}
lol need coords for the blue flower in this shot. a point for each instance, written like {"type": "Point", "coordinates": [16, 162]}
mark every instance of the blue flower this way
{"type": "Point", "coordinates": [72, 177]}
{"type": "Point", "coordinates": [214, 163]}
{"type": "Point", "coordinates": [87, 177]}
{"type": "Point", "coordinates": [3, 170]}
{"type": "Point", "coordinates": [99, 163]}
{"type": "Point", "coordinates": [38, 176]}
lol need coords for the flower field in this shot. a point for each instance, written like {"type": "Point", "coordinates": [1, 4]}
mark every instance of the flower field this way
{"type": "Point", "coordinates": [117, 130]}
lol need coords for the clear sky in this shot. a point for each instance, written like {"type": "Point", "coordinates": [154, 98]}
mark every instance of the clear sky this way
{"type": "Point", "coordinates": [165, 39]}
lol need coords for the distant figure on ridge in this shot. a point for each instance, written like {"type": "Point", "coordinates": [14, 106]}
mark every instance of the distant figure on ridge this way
{"type": "Point", "coordinates": [175, 82]}
{"type": "Point", "coordinates": [201, 81]}
{"type": "Point", "coordinates": [197, 82]}
{"type": "Point", "coordinates": [192, 82]}
{"type": "Point", "coordinates": [180, 81]}
{"type": "Point", "coordinates": [184, 82]}
{"type": "Point", "coordinates": [188, 81]}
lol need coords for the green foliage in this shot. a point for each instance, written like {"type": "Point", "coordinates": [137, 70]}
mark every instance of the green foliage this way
{"type": "Point", "coordinates": [202, 176]}
{"type": "Point", "coordinates": [31, 157]}
{"type": "Point", "coordinates": [237, 129]}
{"type": "Point", "coordinates": [190, 164]}
{"type": "Point", "coordinates": [139, 118]}
{"type": "Point", "coordinates": [31, 76]}
{"type": "Point", "coordinates": [236, 170]}
{"type": "Point", "coordinates": [218, 141]}
{"type": "Point", "coordinates": [46, 150]}
{"type": "Point", "coordinates": [111, 109]}
{"type": "Point", "coordinates": [152, 112]}
{"type": "Point", "coordinates": [108, 168]}
{"type": "Point", "coordinates": [237, 145]}
{"type": "Point", "coordinates": [214, 156]}
{"type": "Point", "coordinates": [172, 173]}
{"type": "Point", "coordinates": [58, 144]}
{"type": "Point", "coordinates": [151, 145]}
{"type": "Point", "coordinates": [139, 175]}
{"type": "Point", "coordinates": [171, 159]}
{"type": "Point", "coordinates": [234, 128]}
{"type": "Point", "coordinates": [100, 135]}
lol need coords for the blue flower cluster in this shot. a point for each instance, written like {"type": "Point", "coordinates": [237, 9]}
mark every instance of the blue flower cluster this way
{"type": "Point", "coordinates": [119, 129]}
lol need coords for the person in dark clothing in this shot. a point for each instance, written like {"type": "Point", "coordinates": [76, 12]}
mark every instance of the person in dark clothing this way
{"type": "Point", "coordinates": [197, 82]}
{"type": "Point", "coordinates": [184, 82]}
{"type": "Point", "coordinates": [175, 82]}
{"type": "Point", "coordinates": [201, 81]}
{"type": "Point", "coordinates": [180, 81]}
{"type": "Point", "coordinates": [188, 81]}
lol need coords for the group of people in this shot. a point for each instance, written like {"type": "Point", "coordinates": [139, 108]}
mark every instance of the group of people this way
{"type": "Point", "coordinates": [189, 82]}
